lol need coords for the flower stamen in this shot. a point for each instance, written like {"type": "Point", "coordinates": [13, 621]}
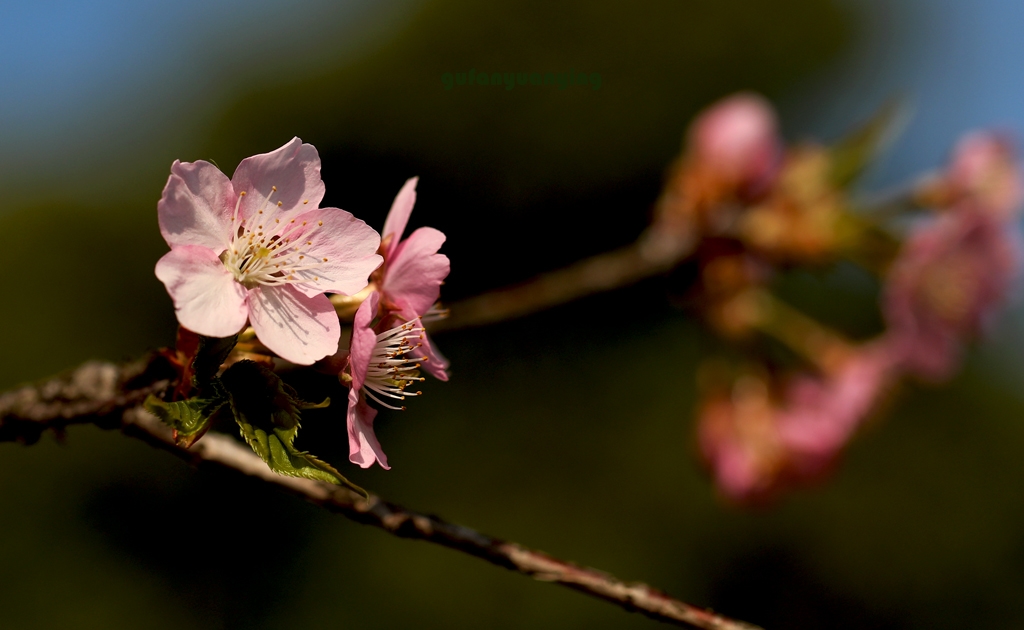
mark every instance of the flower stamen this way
{"type": "Point", "coordinates": [391, 368]}
{"type": "Point", "coordinates": [268, 254]}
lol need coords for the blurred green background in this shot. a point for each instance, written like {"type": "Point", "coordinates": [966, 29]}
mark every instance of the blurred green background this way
{"type": "Point", "coordinates": [569, 431]}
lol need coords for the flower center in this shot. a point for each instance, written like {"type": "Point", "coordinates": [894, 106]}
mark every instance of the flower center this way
{"type": "Point", "coordinates": [949, 291]}
{"type": "Point", "coordinates": [264, 250]}
{"type": "Point", "coordinates": [391, 369]}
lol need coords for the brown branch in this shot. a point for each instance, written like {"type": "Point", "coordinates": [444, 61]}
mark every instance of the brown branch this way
{"type": "Point", "coordinates": [655, 252]}
{"type": "Point", "coordinates": [109, 396]}
{"type": "Point", "coordinates": [93, 393]}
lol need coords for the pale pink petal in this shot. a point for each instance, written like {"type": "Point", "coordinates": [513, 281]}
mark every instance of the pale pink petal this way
{"type": "Point", "coordinates": [342, 248]}
{"type": "Point", "coordinates": [398, 216]}
{"type": "Point", "coordinates": [822, 414]}
{"type": "Point", "coordinates": [412, 281]}
{"type": "Point", "coordinates": [297, 328]}
{"type": "Point", "coordinates": [738, 138]}
{"type": "Point", "coordinates": [363, 339]}
{"type": "Point", "coordinates": [435, 365]}
{"type": "Point", "coordinates": [207, 299]}
{"type": "Point", "coordinates": [196, 206]}
{"type": "Point", "coordinates": [737, 474]}
{"type": "Point", "coordinates": [294, 170]}
{"type": "Point", "coordinates": [363, 447]}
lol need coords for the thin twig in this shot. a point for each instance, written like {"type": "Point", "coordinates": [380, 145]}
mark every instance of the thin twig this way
{"type": "Point", "coordinates": [654, 253]}
{"type": "Point", "coordinates": [109, 396]}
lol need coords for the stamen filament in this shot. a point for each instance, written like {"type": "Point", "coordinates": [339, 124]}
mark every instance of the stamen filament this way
{"type": "Point", "coordinates": [391, 369]}
{"type": "Point", "coordinates": [268, 252]}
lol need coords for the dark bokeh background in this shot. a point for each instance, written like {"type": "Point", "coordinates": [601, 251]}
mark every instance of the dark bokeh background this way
{"type": "Point", "coordinates": [570, 430]}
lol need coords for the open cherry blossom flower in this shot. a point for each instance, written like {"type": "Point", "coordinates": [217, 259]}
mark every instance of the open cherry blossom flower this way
{"type": "Point", "coordinates": [413, 270]}
{"type": "Point", "coordinates": [949, 279]}
{"type": "Point", "coordinates": [381, 366]}
{"type": "Point", "coordinates": [258, 247]}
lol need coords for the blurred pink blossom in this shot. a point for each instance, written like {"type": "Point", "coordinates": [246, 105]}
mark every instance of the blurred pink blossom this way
{"type": "Point", "coordinates": [738, 437]}
{"type": "Point", "coordinates": [951, 276]}
{"type": "Point", "coordinates": [259, 248]}
{"type": "Point", "coordinates": [758, 446]}
{"type": "Point", "coordinates": [820, 415]}
{"type": "Point", "coordinates": [410, 278]}
{"type": "Point", "coordinates": [984, 173]}
{"type": "Point", "coordinates": [737, 138]}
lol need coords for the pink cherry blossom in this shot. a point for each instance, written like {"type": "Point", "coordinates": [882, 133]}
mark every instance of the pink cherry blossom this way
{"type": "Point", "coordinates": [758, 445]}
{"type": "Point", "coordinates": [380, 366]}
{"type": "Point", "coordinates": [985, 173]}
{"type": "Point", "coordinates": [258, 247]}
{"type": "Point", "coordinates": [738, 436]}
{"type": "Point", "coordinates": [413, 270]}
{"type": "Point", "coordinates": [949, 279]}
{"type": "Point", "coordinates": [820, 415]}
{"type": "Point", "coordinates": [738, 139]}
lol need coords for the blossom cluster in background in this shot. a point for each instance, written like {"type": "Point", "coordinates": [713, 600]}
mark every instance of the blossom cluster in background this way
{"type": "Point", "coordinates": [255, 259]}
{"type": "Point", "coordinates": [946, 254]}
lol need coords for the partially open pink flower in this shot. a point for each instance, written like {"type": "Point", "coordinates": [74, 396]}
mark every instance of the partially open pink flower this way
{"type": "Point", "coordinates": [820, 415]}
{"type": "Point", "coordinates": [380, 366]}
{"type": "Point", "coordinates": [259, 248]}
{"type": "Point", "coordinates": [413, 270]}
{"type": "Point", "coordinates": [758, 445]}
{"type": "Point", "coordinates": [739, 438]}
{"type": "Point", "coordinates": [984, 172]}
{"type": "Point", "coordinates": [737, 138]}
{"type": "Point", "coordinates": [947, 282]}
{"type": "Point", "coordinates": [731, 158]}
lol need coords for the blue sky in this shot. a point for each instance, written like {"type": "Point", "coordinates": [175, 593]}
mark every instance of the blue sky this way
{"type": "Point", "coordinates": [101, 78]}
{"type": "Point", "coordinates": [960, 64]}
{"type": "Point", "coordinates": [109, 74]}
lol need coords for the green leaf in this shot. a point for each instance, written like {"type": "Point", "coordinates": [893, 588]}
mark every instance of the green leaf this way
{"type": "Point", "coordinates": [277, 449]}
{"type": "Point", "coordinates": [852, 154]}
{"type": "Point", "coordinates": [189, 419]}
{"type": "Point", "coordinates": [267, 411]}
